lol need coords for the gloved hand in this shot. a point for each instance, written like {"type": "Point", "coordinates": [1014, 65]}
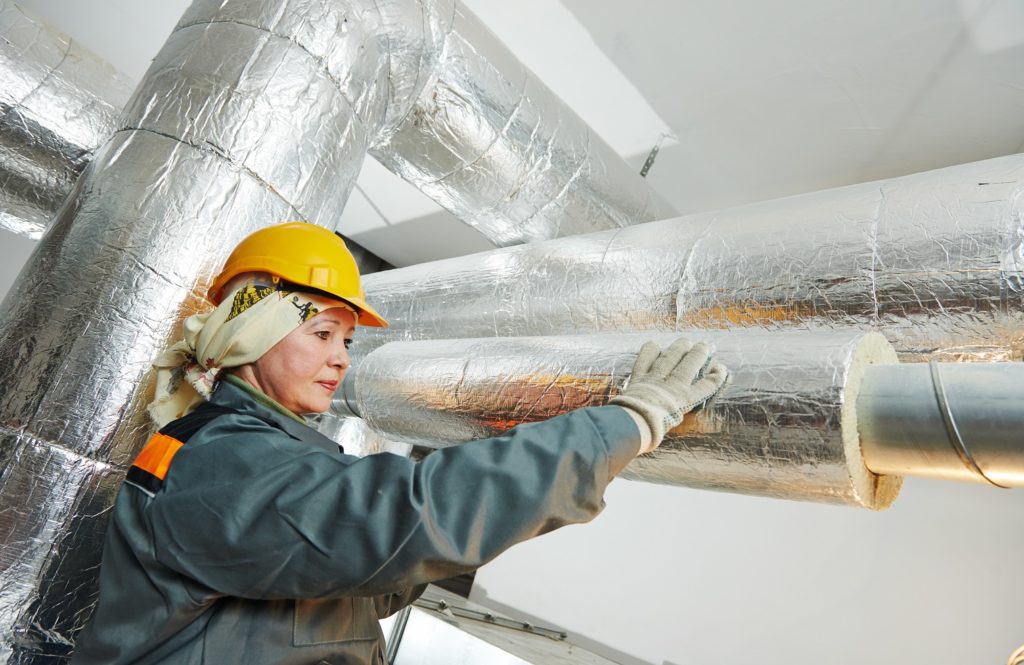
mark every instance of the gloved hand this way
{"type": "Point", "coordinates": [666, 385]}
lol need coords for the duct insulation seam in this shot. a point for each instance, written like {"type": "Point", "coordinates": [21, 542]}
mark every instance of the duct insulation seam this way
{"type": "Point", "coordinates": [58, 103]}
{"type": "Point", "coordinates": [494, 146]}
{"type": "Point", "coordinates": [784, 427]}
{"type": "Point", "coordinates": [935, 261]}
{"type": "Point", "coordinates": [247, 116]}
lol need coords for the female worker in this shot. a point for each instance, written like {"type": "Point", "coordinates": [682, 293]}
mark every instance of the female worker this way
{"type": "Point", "coordinates": [242, 535]}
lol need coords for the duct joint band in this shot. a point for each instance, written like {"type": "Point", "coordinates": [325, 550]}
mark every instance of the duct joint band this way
{"type": "Point", "coordinates": [955, 439]}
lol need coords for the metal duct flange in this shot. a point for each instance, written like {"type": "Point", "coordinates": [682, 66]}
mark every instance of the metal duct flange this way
{"type": "Point", "coordinates": [785, 426]}
{"type": "Point", "coordinates": [58, 103]}
{"type": "Point", "coordinates": [935, 261]}
{"type": "Point", "coordinates": [945, 420]}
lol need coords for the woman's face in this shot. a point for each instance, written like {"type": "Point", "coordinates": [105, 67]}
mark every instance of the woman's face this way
{"type": "Point", "coordinates": [302, 371]}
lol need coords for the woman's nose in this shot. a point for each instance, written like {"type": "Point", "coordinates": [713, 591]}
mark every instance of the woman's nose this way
{"type": "Point", "coordinates": [340, 358]}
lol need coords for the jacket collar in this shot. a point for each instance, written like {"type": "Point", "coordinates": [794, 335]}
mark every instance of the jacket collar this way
{"type": "Point", "coordinates": [241, 397]}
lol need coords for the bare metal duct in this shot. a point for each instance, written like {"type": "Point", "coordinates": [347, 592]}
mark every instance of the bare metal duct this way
{"type": "Point", "coordinates": [935, 261]}
{"type": "Point", "coordinates": [58, 103]}
{"type": "Point", "coordinates": [493, 145]}
{"type": "Point", "coordinates": [786, 427]}
{"type": "Point", "coordinates": [945, 420]}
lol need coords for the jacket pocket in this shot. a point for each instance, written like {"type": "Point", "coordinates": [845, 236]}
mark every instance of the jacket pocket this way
{"type": "Point", "coordinates": [334, 620]}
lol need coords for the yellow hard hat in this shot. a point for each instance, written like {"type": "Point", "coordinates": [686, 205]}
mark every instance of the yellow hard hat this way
{"type": "Point", "coordinates": [303, 254]}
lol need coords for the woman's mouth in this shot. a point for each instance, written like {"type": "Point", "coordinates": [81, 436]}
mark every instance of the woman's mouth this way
{"type": "Point", "coordinates": [329, 385]}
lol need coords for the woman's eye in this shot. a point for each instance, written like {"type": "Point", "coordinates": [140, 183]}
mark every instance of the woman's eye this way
{"type": "Point", "coordinates": [348, 343]}
{"type": "Point", "coordinates": [323, 334]}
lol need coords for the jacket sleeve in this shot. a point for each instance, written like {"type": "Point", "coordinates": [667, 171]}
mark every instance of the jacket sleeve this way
{"type": "Point", "coordinates": [390, 603]}
{"type": "Point", "coordinates": [251, 512]}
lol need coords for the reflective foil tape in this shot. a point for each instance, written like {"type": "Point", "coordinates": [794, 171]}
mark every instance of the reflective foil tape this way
{"type": "Point", "coordinates": [58, 103]}
{"type": "Point", "coordinates": [784, 427]}
{"type": "Point", "coordinates": [935, 261]}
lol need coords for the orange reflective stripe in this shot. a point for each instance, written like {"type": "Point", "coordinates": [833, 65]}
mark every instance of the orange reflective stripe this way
{"type": "Point", "coordinates": [156, 457]}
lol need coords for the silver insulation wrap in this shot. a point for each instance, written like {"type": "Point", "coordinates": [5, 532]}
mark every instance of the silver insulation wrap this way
{"type": "Point", "coordinates": [449, 108]}
{"type": "Point", "coordinates": [784, 427]}
{"type": "Point", "coordinates": [934, 261]}
{"type": "Point", "coordinates": [248, 116]}
{"type": "Point", "coordinates": [357, 438]}
{"type": "Point", "coordinates": [493, 145]}
{"type": "Point", "coordinates": [252, 113]}
{"type": "Point", "coordinates": [58, 104]}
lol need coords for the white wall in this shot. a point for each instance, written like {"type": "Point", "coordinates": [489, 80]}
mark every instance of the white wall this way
{"type": "Point", "coordinates": [14, 251]}
{"type": "Point", "coordinates": [672, 575]}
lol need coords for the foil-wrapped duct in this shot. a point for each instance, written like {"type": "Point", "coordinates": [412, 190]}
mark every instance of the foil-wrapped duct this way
{"type": "Point", "coordinates": [785, 426]}
{"type": "Point", "coordinates": [58, 103]}
{"type": "Point", "coordinates": [493, 145]}
{"type": "Point", "coordinates": [356, 438]}
{"type": "Point", "coordinates": [250, 114]}
{"type": "Point", "coordinates": [449, 108]}
{"type": "Point", "coordinates": [935, 261]}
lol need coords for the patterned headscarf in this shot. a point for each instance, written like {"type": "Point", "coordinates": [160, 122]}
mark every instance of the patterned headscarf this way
{"type": "Point", "coordinates": [257, 315]}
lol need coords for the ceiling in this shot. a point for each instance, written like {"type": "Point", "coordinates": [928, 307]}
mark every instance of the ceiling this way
{"type": "Point", "coordinates": [747, 100]}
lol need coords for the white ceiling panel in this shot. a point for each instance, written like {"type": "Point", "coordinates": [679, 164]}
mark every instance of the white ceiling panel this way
{"type": "Point", "coordinates": [773, 99]}
{"type": "Point", "coordinates": [359, 215]}
{"type": "Point", "coordinates": [423, 239]}
{"type": "Point", "coordinates": [125, 33]}
{"type": "Point", "coordinates": [397, 200]}
{"type": "Point", "coordinates": [551, 42]}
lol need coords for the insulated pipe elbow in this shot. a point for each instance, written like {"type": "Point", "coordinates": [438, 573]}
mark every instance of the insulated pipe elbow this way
{"type": "Point", "coordinates": [953, 421]}
{"type": "Point", "coordinates": [489, 142]}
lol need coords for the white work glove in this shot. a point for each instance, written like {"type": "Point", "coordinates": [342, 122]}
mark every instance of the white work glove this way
{"type": "Point", "coordinates": [665, 386]}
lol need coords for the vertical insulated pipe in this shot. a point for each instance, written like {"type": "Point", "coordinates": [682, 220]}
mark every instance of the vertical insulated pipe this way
{"type": "Point", "coordinates": [251, 113]}
{"type": "Point", "coordinates": [58, 104]}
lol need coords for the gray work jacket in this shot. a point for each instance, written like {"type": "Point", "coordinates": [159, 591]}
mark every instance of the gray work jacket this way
{"type": "Point", "coordinates": [259, 541]}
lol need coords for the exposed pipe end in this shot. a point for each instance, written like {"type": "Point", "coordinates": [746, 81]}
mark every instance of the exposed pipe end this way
{"type": "Point", "coordinates": [951, 421]}
{"type": "Point", "coordinates": [874, 491]}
